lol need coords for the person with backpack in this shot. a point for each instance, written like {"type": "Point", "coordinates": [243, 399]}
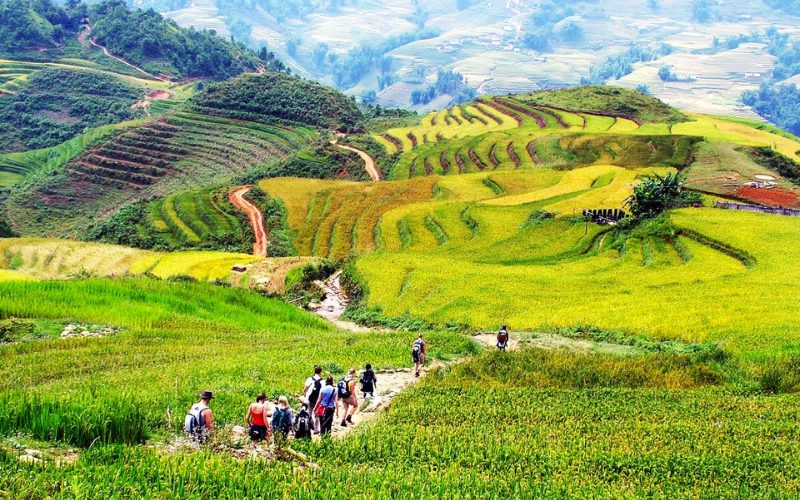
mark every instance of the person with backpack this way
{"type": "Point", "coordinates": [368, 382]}
{"type": "Point", "coordinates": [502, 338]}
{"type": "Point", "coordinates": [327, 405]}
{"type": "Point", "coordinates": [258, 419]}
{"type": "Point", "coordinates": [347, 394]}
{"type": "Point", "coordinates": [199, 422]}
{"type": "Point", "coordinates": [311, 391]}
{"type": "Point", "coordinates": [418, 352]}
{"type": "Point", "coordinates": [303, 424]}
{"type": "Point", "coordinates": [282, 420]}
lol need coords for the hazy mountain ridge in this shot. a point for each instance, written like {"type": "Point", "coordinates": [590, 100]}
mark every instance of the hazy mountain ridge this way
{"type": "Point", "coordinates": [391, 49]}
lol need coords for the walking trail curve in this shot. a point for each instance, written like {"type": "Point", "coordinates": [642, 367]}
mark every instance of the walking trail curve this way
{"type": "Point", "coordinates": [85, 34]}
{"type": "Point", "coordinates": [256, 217]}
{"type": "Point", "coordinates": [369, 162]}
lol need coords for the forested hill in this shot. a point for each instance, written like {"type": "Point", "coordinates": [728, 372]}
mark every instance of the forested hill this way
{"type": "Point", "coordinates": [36, 29]}
{"type": "Point", "coordinates": [272, 97]}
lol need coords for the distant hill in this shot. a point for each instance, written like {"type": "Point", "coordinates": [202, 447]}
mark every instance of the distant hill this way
{"type": "Point", "coordinates": [272, 97]}
{"type": "Point", "coordinates": [42, 30]}
{"type": "Point", "coordinates": [388, 51]}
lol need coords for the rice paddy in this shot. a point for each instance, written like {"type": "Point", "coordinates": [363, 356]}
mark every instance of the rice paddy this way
{"type": "Point", "coordinates": [526, 133]}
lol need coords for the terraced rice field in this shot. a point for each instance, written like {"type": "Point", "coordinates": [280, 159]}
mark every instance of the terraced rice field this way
{"type": "Point", "coordinates": [195, 217]}
{"type": "Point", "coordinates": [15, 166]}
{"type": "Point", "coordinates": [488, 235]}
{"type": "Point", "coordinates": [180, 143]}
{"type": "Point", "coordinates": [338, 219]}
{"type": "Point", "coordinates": [505, 133]}
{"type": "Point", "coordinates": [543, 274]}
{"type": "Point", "coordinates": [31, 258]}
{"type": "Point", "coordinates": [13, 75]}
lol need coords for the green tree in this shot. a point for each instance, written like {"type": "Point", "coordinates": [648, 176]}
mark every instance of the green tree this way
{"type": "Point", "coordinates": [655, 194]}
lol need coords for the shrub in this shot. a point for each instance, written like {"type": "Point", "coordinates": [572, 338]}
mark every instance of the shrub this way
{"type": "Point", "coordinates": [656, 194]}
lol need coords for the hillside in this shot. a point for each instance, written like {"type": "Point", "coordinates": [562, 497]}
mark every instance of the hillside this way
{"type": "Point", "coordinates": [274, 97]}
{"type": "Point", "coordinates": [387, 50]}
{"type": "Point", "coordinates": [224, 132]}
{"type": "Point", "coordinates": [44, 31]}
{"type": "Point", "coordinates": [654, 355]}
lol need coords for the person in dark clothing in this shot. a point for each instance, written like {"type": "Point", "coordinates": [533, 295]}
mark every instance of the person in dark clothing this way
{"type": "Point", "coordinates": [303, 424]}
{"type": "Point", "coordinates": [282, 420]}
{"type": "Point", "coordinates": [368, 382]}
{"type": "Point", "coordinates": [311, 391]}
{"type": "Point", "coordinates": [502, 338]}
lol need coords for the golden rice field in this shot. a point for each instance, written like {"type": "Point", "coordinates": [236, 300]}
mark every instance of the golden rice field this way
{"type": "Point", "coordinates": [475, 249]}
{"type": "Point", "coordinates": [31, 258]}
{"type": "Point", "coordinates": [508, 133]}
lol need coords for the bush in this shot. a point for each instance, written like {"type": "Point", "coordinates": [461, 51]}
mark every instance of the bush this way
{"type": "Point", "coordinates": [656, 194]}
{"type": "Point", "coordinates": [13, 328]}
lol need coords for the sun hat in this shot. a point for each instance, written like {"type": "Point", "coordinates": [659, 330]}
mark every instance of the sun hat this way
{"type": "Point", "coordinates": [206, 395]}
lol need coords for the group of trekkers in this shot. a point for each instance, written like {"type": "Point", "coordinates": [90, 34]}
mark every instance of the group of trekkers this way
{"type": "Point", "coordinates": [319, 406]}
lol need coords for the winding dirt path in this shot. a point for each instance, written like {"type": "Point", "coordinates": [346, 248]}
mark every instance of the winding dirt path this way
{"type": "Point", "coordinates": [85, 35]}
{"type": "Point", "coordinates": [369, 162]}
{"type": "Point", "coordinates": [254, 214]}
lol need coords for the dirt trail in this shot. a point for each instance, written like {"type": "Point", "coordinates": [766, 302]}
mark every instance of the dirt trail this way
{"type": "Point", "coordinates": [369, 162]}
{"type": "Point", "coordinates": [256, 217]}
{"type": "Point", "coordinates": [84, 35]}
{"type": "Point", "coordinates": [155, 95]}
{"type": "Point", "coordinates": [336, 301]}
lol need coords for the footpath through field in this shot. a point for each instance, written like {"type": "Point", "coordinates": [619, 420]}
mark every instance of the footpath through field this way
{"type": "Point", "coordinates": [369, 162]}
{"type": "Point", "coordinates": [256, 217]}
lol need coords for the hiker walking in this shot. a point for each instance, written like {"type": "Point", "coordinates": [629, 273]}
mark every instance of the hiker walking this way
{"type": "Point", "coordinates": [257, 419]}
{"type": "Point", "coordinates": [347, 394]}
{"type": "Point", "coordinates": [418, 352]}
{"type": "Point", "coordinates": [502, 338]}
{"type": "Point", "coordinates": [282, 420]}
{"type": "Point", "coordinates": [199, 422]}
{"type": "Point", "coordinates": [368, 382]}
{"type": "Point", "coordinates": [327, 405]}
{"type": "Point", "coordinates": [311, 391]}
{"type": "Point", "coordinates": [303, 424]}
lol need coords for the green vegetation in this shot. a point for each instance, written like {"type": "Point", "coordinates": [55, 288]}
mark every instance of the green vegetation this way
{"type": "Point", "coordinates": [162, 323]}
{"type": "Point", "coordinates": [655, 195]}
{"type": "Point", "coordinates": [277, 98]}
{"type": "Point", "coordinates": [26, 24]}
{"type": "Point", "coordinates": [161, 46]}
{"type": "Point", "coordinates": [500, 424]}
{"type": "Point", "coordinates": [156, 159]}
{"type": "Point", "coordinates": [57, 104]}
{"type": "Point", "coordinates": [607, 100]}
{"type": "Point", "coordinates": [781, 104]}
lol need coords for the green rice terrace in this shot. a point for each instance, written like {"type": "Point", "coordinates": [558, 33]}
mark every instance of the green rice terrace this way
{"type": "Point", "coordinates": [201, 239]}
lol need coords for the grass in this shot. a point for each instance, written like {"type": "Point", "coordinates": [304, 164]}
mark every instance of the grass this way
{"type": "Point", "coordinates": [162, 322]}
{"type": "Point", "coordinates": [31, 258]}
{"type": "Point", "coordinates": [522, 424]}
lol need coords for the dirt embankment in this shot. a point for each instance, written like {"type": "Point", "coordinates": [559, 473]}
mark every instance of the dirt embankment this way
{"type": "Point", "coordinates": [254, 215]}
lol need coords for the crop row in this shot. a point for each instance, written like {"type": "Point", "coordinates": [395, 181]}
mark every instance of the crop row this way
{"type": "Point", "coordinates": [142, 156]}
{"type": "Point", "coordinates": [195, 217]}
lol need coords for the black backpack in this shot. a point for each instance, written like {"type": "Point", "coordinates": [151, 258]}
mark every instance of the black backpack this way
{"type": "Point", "coordinates": [368, 377]}
{"type": "Point", "coordinates": [303, 425]}
{"type": "Point", "coordinates": [344, 392]}
{"type": "Point", "coordinates": [314, 396]}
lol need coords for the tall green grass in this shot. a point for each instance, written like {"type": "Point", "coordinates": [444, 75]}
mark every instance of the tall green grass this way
{"type": "Point", "coordinates": [177, 338]}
